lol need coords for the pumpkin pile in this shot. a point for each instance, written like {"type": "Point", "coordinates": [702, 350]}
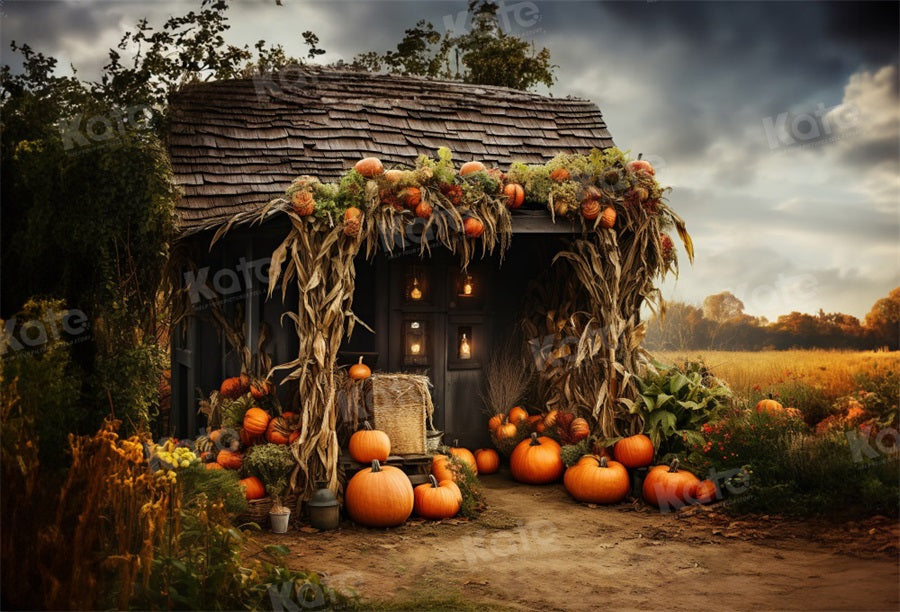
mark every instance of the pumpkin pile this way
{"type": "Point", "coordinates": [509, 429]}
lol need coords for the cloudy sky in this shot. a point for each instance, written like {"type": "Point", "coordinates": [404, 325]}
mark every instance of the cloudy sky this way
{"type": "Point", "coordinates": [776, 124]}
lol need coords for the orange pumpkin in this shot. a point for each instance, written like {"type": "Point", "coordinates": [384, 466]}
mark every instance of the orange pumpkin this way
{"type": "Point", "coordinates": [230, 460]}
{"type": "Point", "coordinates": [359, 370]}
{"type": "Point", "coordinates": [634, 451]}
{"type": "Point", "coordinates": [487, 460]}
{"type": "Point", "coordinates": [213, 466]}
{"type": "Point", "coordinates": [278, 431]}
{"type": "Point", "coordinates": [294, 435]}
{"type": "Point", "coordinates": [515, 195]}
{"type": "Point", "coordinates": [369, 167]}
{"type": "Point", "coordinates": [517, 415]}
{"type": "Point", "coordinates": [590, 209]}
{"type": "Point", "coordinates": [550, 418]}
{"type": "Point", "coordinates": [769, 405]}
{"type": "Point", "coordinates": [470, 167]}
{"type": "Point", "coordinates": [540, 427]}
{"type": "Point", "coordinates": [608, 218]}
{"type": "Point", "coordinates": [473, 227]}
{"type": "Point", "coordinates": [560, 174]}
{"type": "Point", "coordinates": [437, 500]}
{"type": "Point", "coordinates": [506, 431]}
{"type": "Point", "coordinates": [424, 210]}
{"type": "Point", "coordinates": [640, 165]}
{"type": "Point", "coordinates": [597, 481]}
{"type": "Point", "coordinates": [441, 469]}
{"type": "Point", "coordinates": [465, 455]}
{"type": "Point", "coordinates": [668, 487]}
{"type": "Point", "coordinates": [534, 420]}
{"type": "Point", "coordinates": [579, 429]}
{"type": "Point", "coordinates": [412, 196]}
{"type": "Point", "coordinates": [303, 203]}
{"type": "Point", "coordinates": [707, 492]}
{"type": "Point", "coordinates": [253, 488]}
{"type": "Point", "coordinates": [495, 421]}
{"type": "Point", "coordinates": [536, 461]}
{"type": "Point", "coordinates": [259, 390]}
{"type": "Point", "coordinates": [234, 387]}
{"type": "Point", "coordinates": [379, 496]}
{"type": "Point", "coordinates": [256, 420]}
{"type": "Point", "coordinates": [368, 444]}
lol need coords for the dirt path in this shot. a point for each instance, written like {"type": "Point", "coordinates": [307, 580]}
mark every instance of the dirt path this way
{"type": "Point", "coordinates": [536, 549]}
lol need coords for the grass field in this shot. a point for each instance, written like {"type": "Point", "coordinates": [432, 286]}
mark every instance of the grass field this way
{"type": "Point", "coordinates": [829, 374]}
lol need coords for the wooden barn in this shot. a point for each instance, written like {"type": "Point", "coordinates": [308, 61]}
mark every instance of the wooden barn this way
{"type": "Point", "coordinates": [423, 301]}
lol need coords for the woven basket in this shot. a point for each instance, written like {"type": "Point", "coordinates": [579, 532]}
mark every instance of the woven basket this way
{"type": "Point", "coordinates": [258, 510]}
{"type": "Point", "coordinates": [401, 407]}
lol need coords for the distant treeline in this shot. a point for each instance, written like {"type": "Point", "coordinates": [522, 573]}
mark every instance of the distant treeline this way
{"type": "Point", "coordinates": [721, 324]}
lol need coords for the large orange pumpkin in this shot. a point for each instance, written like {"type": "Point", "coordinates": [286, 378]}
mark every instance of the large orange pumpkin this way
{"type": "Point", "coordinates": [464, 454]}
{"type": "Point", "coordinates": [668, 487]}
{"type": "Point", "coordinates": [517, 414]}
{"type": "Point", "coordinates": [230, 460]}
{"type": "Point", "coordinates": [369, 167]}
{"type": "Point", "coordinates": [597, 481]}
{"type": "Point", "coordinates": [470, 167]}
{"type": "Point", "coordinates": [487, 460]}
{"type": "Point", "coordinates": [359, 370]}
{"type": "Point", "coordinates": [440, 467]}
{"type": "Point", "coordinates": [368, 444]}
{"type": "Point", "coordinates": [515, 195]}
{"type": "Point", "coordinates": [253, 488]}
{"type": "Point", "coordinates": [256, 420]}
{"type": "Point", "coordinates": [437, 500]}
{"type": "Point", "coordinates": [634, 451]}
{"type": "Point", "coordinates": [379, 496]}
{"type": "Point", "coordinates": [536, 461]}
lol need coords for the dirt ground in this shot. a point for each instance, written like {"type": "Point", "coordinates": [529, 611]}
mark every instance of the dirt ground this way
{"type": "Point", "coordinates": [536, 549]}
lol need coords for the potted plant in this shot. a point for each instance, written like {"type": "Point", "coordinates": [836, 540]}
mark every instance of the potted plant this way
{"type": "Point", "coordinates": [273, 463]}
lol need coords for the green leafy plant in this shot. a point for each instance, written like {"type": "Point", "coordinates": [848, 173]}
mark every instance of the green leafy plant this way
{"type": "Point", "coordinates": [571, 453]}
{"type": "Point", "coordinates": [467, 481]}
{"type": "Point", "coordinates": [675, 402]}
{"type": "Point", "coordinates": [272, 464]}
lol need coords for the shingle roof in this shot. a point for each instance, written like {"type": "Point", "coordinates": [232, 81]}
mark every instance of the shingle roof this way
{"type": "Point", "coordinates": [236, 144]}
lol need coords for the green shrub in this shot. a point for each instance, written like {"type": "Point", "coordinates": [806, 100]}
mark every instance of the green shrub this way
{"type": "Point", "coordinates": [272, 464]}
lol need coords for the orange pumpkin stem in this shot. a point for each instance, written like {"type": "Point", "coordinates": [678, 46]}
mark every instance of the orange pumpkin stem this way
{"type": "Point", "coordinates": [603, 462]}
{"type": "Point", "coordinates": [673, 467]}
{"type": "Point", "coordinates": [534, 440]}
{"type": "Point", "coordinates": [434, 482]}
{"type": "Point", "coordinates": [376, 466]}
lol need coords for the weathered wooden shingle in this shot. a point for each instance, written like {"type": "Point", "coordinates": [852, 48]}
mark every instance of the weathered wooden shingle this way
{"type": "Point", "coordinates": [236, 144]}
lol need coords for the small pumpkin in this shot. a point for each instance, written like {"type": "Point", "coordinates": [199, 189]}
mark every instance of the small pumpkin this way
{"type": "Point", "coordinates": [368, 444]}
{"type": "Point", "coordinates": [597, 481]}
{"type": "Point", "coordinates": [369, 167]}
{"type": "Point", "coordinates": [706, 492]}
{"type": "Point", "coordinates": [640, 165]}
{"type": "Point", "coordinates": [536, 461]}
{"type": "Point", "coordinates": [279, 430]}
{"type": "Point", "coordinates": [769, 405]}
{"type": "Point", "coordinates": [440, 467]}
{"type": "Point", "coordinates": [437, 500]}
{"type": "Point", "coordinates": [517, 415]}
{"type": "Point", "coordinates": [608, 217]}
{"type": "Point", "coordinates": [579, 429]}
{"type": "Point", "coordinates": [634, 451]}
{"type": "Point", "coordinates": [260, 389]}
{"type": "Point", "coordinates": [495, 421]}
{"type": "Point", "coordinates": [352, 222]}
{"type": "Point", "coordinates": [534, 420]}
{"type": "Point", "coordinates": [359, 370]}
{"type": "Point", "coordinates": [560, 174]}
{"type": "Point", "coordinates": [590, 209]}
{"type": "Point", "coordinates": [550, 418]}
{"type": "Point", "coordinates": [464, 454]}
{"type": "Point", "coordinates": [666, 486]}
{"type": "Point", "coordinates": [411, 196]}
{"type": "Point", "coordinates": [229, 459]}
{"type": "Point", "coordinates": [303, 203]}
{"type": "Point", "coordinates": [253, 488]}
{"type": "Point", "coordinates": [473, 227]}
{"type": "Point", "coordinates": [424, 210]}
{"type": "Point", "coordinates": [470, 167]}
{"type": "Point", "coordinates": [506, 431]}
{"type": "Point", "coordinates": [379, 496]}
{"type": "Point", "coordinates": [515, 195]}
{"type": "Point", "coordinates": [234, 387]}
{"type": "Point", "coordinates": [213, 466]}
{"type": "Point", "coordinates": [487, 460]}
{"type": "Point", "coordinates": [256, 420]}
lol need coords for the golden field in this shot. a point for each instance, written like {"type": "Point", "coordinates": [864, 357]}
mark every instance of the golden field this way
{"type": "Point", "coordinates": [749, 373]}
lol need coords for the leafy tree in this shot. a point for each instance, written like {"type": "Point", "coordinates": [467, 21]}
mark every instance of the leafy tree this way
{"type": "Point", "coordinates": [883, 321]}
{"type": "Point", "coordinates": [722, 307]}
{"type": "Point", "coordinates": [486, 55]}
